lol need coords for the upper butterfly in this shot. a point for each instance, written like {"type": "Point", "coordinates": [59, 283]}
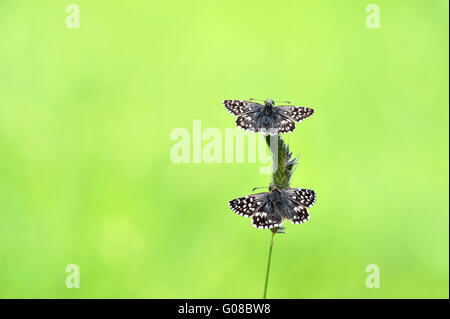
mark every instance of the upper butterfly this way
{"type": "Point", "coordinates": [266, 119]}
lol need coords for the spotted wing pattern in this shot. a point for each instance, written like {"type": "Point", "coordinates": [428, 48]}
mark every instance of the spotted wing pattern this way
{"type": "Point", "coordinates": [282, 124]}
{"type": "Point", "coordinates": [298, 200]}
{"type": "Point", "coordinates": [302, 196]}
{"type": "Point", "coordinates": [239, 107]}
{"type": "Point", "coordinates": [267, 216]}
{"type": "Point", "coordinates": [249, 121]}
{"type": "Point", "coordinates": [273, 125]}
{"type": "Point", "coordinates": [300, 216]}
{"type": "Point", "coordinates": [295, 113]}
{"type": "Point", "coordinates": [247, 206]}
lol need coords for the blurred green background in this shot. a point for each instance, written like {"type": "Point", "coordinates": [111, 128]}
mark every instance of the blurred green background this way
{"type": "Point", "coordinates": [85, 170]}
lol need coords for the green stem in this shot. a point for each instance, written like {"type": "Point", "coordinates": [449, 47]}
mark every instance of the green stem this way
{"type": "Point", "coordinates": [285, 165]}
{"type": "Point", "coordinates": [268, 266]}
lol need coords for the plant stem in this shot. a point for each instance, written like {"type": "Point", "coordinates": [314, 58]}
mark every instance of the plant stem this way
{"type": "Point", "coordinates": [268, 265]}
{"type": "Point", "coordinates": [284, 167]}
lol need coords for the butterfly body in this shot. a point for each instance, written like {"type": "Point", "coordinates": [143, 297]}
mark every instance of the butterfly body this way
{"type": "Point", "coordinates": [270, 208]}
{"type": "Point", "coordinates": [267, 116]}
{"type": "Point", "coordinates": [266, 119]}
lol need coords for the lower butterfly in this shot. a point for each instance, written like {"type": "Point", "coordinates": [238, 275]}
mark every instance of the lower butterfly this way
{"type": "Point", "coordinates": [270, 208]}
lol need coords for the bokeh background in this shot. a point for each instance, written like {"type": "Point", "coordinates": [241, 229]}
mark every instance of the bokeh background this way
{"type": "Point", "coordinates": [86, 176]}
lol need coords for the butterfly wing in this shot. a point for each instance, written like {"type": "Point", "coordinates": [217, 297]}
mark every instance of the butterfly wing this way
{"type": "Point", "coordinates": [259, 206]}
{"type": "Point", "coordinates": [281, 124]}
{"type": "Point", "coordinates": [297, 200]}
{"type": "Point", "coordinates": [248, 113]}
{"type": "Point", "coordinates": [272, 125]}
{"type": "Point", "coordinates": [300, 216]}
{"type": "Point", "coordinates": [239, 107]}
{"type": "Point", "coordinates": [249, 121]}
{"type": "Point", "coordinates": [267, 216]}
{"type": "Point", "coordinates": [302, 196]}
{"type": "Point", "coordinates": [294, 113]}
{"type": "Point", "coordinates": [247, 206]}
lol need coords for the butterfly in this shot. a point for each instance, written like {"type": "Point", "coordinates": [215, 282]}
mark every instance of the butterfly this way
{"type": "Point", "coordinates": [270, 208]}
{"type": "Point", "coordinates": [266, 119]}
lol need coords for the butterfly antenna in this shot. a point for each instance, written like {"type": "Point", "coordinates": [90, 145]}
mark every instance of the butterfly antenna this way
{"type": "Point", "coordinates": [252, 99]}
{"type": "Point", "coordinates": [283, 102]}
{"type": "Point", "coordinates": [258, 188]}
